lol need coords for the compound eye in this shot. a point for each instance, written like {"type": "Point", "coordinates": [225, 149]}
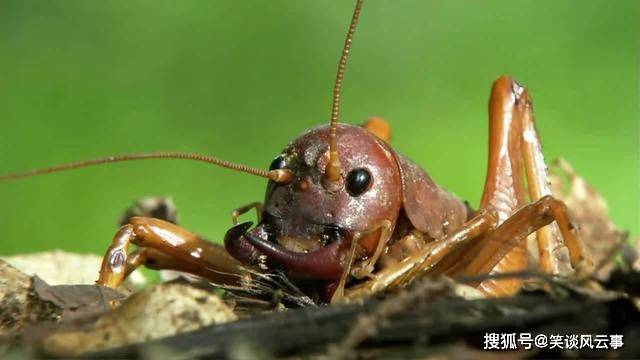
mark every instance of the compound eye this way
{"type": "Point", "coordinates": [277, 163]}
{"type": "Point", "coordinates": [358, 181]}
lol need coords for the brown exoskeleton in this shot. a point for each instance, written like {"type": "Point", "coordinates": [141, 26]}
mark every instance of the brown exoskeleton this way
{"type": "Point", "coordinates": [345, 210]}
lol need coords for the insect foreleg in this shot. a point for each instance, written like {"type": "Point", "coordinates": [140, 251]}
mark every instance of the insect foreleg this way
{"type": "Point", "coordinates": [163, 245]}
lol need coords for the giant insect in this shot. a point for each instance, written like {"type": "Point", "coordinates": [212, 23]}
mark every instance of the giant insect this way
{"type": "Point", "coordinates": [344, 210]}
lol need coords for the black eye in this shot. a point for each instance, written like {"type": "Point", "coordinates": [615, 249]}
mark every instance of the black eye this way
{"type": "Point", "coordinates": [358, 181]}
{"type": "Point", "coordinates": [277, 163]}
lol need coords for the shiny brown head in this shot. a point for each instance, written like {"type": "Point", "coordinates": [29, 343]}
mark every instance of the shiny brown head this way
{"type": "Point", "coordinates": [368, 189]}
{"type": "Point", "coordinates": [307, 226]}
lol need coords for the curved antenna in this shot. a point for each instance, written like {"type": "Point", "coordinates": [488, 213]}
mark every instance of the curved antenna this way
{"type": "Point", "coordinates": [332, 171]}
{"type": "Point", "coordinates": [280, 176]}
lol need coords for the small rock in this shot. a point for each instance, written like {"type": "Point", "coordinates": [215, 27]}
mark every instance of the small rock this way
{"type": "Point", "coordinates": [14, 293]}
{"type": "Point", "coordinates": [62, 268]}
{"type": "Point", "coordinates": [159, 311]}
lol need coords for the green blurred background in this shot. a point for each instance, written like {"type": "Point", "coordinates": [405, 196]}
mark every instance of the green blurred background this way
{"type": "Point", "coordinates": [239, 79]}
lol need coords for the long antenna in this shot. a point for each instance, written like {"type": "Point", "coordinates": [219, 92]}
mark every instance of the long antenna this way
{"type": "Point", "coordinates": [280, 176]}
{"type": "Point", "coordinates": [332, 171]}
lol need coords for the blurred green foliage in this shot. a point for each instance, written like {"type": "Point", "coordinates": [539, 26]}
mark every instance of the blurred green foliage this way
{"type": "Point", "coordinates": [239, 79]}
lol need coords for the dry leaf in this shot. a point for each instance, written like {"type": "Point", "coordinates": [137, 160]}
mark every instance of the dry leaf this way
{"type": "Point", "coordinates": [27, 300]}
{"type": "Point", "coordinates": [589, 211]}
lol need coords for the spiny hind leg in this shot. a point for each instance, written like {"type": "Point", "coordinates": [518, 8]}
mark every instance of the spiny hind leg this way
{"type": "Point", "coordinates": [514, 145]}
{"type": "Point", "coordinates": [509, 235]}
{"type": "Point", "coordinates": [504, 190]}
{"type": "Point", "coordinates": [503, 250]}
{"type": "Point", "coordinates": [163, 245]}
{"type": "Point", "coordinates": [559, 247]}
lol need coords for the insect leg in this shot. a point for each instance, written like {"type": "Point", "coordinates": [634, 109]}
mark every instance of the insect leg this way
{"type": "Point", "coordinates": [510, 234]}
{"type": "Point", "coordinates": [236, 213]}
{"type": "Point", "coordinates": [402, 272]}
{"type": "Point", "coordinates": [164, 245]}
{"type": "Point", "coordinates": [553, 240]}
{"type": "Point", "coordinates": [154, 259]}
{"type": "Point", "coordinates": [366, 268]}
{"type": "Point", "coordinates": [503, 189]}
{"type": "Point", "coordinates": [513, 145]}
{"type": "Point", "coordinates": [112, 270]}
{"type": "Point", "coordinates": [134, 260]}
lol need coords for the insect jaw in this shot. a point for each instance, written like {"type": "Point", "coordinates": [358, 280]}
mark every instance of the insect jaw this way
{"type": "Point", "coordinates": [323, 262]}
